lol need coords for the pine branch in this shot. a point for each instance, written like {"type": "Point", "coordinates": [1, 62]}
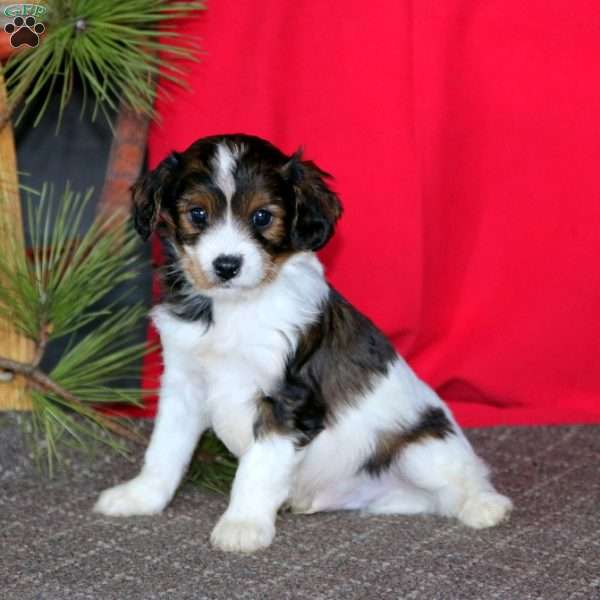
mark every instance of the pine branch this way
{"type": "Point", "coordinates": [54, 294]}
{"type": "Point", "coordinates": [40, 381]}
{"type": "Point", "coordinates": [41, 345]}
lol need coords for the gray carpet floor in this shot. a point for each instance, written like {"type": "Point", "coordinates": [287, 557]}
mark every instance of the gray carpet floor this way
{"type": "Point", "coordinates": [53, 547]}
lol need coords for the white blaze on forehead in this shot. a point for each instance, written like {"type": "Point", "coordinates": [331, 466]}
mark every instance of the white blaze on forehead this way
{"type": "Point", "coordinates": [224, 165]}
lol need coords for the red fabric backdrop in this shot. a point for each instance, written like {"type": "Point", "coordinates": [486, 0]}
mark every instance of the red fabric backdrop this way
{"type": "Point", "coordinates": [464, 137]}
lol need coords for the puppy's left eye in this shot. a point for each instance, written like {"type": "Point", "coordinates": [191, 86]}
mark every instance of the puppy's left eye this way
{"type": "Point", "coordinates": [261, 218]}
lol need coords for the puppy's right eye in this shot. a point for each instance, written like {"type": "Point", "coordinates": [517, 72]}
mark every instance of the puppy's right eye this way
{"type": "Point", "coordinates": [198, 216]}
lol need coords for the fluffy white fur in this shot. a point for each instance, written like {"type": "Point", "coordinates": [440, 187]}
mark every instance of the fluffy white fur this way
{"type": "Point", "coordinates": [212, 378]}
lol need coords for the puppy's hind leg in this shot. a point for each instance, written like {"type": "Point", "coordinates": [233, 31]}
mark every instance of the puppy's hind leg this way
{"type": "Point", "coordinates": [402, 499]}
{"type": "Point", "coordinates": [456, 478]}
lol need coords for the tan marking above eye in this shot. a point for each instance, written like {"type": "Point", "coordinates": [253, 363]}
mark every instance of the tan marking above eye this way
{"type": "Point", "coordinates": [186, 203]}
{"type": "Point", "coordinates": [276, 210]}
{"type": "Point", "coordinates": [184, 207]}
{"type": "Point", "coordinates": [250, 202]}
{"type": "Point", "coordinates": [254, 201]}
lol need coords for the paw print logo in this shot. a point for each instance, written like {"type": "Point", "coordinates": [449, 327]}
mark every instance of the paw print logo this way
{"type": "Point", "coordinates": [24, 32]}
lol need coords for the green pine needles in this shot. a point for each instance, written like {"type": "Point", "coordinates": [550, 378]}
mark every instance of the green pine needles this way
{"type": "Point", "coordinates": [213, 466]}
{"type": "Point", "coordinates": [115, 47]}
{"type": "Point", "coordinates": [59, 291]}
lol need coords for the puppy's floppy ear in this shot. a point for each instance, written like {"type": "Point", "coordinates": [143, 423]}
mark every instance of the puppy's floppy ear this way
{"type": "Point", "coordinates": [317, 206]}
{"type": "Point", "coordinates": [148, 194]}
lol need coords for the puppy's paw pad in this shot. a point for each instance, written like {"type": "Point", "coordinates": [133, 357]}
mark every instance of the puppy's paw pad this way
{"type": "Point", "coordinates": [231, 535]}
{"type": "Point", "coordinates": [485, 510]}
{"type": "Point", "coordinates": [132, 498]}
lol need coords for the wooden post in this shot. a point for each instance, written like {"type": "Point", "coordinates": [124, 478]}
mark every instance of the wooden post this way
{"type": "Point", "coordinates": [13, 345]}
{"type": "Point", "coordinates": [125, 163]}
{"type": "Point", "coordinates": [126, 159]}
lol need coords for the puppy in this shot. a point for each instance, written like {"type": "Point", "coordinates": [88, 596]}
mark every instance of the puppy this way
{"type": "Point", "coordinates": [307, 392]}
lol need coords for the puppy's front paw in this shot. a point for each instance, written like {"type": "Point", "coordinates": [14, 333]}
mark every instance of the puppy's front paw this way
{"type": "Point", "coordinates": [140, 496]}
{"type": "Point", "coordinates": [485, 510]}
{"type": "Point", "coordinates": [239, 535]}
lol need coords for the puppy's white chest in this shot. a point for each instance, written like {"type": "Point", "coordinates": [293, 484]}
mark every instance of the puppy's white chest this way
{"type": "Point", "coordinates": [237, 359]}
{"type": "Point", "coordinates": [243, 342]}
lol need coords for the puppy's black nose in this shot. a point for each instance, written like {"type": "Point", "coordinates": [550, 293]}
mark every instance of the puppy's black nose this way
{"type": "Point", "coordinates": [227, 266]}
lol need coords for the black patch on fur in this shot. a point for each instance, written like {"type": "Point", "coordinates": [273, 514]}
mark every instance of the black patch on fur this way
{"type": "Point", "coordinates": [293, 410]}
{"type": "Point", "coordinates": [149, 191]}
{"type": "Point", "coordinates": [317, 207]}
{"type": "Point", "coordinates": [433, 424]}
{"type": "Point", "coordinates": [336, 361]}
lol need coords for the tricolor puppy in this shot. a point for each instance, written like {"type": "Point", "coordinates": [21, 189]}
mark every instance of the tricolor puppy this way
{"type": "Point", "coordinates": [307, 392]}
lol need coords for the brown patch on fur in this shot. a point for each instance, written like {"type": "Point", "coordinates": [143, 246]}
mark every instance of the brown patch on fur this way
{"type": "Point", "coordinates": [197, 199]}
{"type": "Point", "coordinates": [280, 259]}
{"type": "Point", "coordinates": [250, 202]}
{"type": "Point", "coordinates": [187, 232]}
{"type": "Point", "coordinates": [194, 272]}
{"type": "Point", "coordinates": [276, 231]}
{"type": "Point", "coordinates": [214, 206]}
{"type": "Point", "coordinates": [266, 422]}
{"type": "Point", "coordinates": [273, 264]}
{"type": "Point", "coordinates": [434, 424]}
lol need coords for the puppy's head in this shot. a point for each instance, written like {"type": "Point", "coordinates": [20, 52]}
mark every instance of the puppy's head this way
{"type": "Point", "coordinates": [235, 209]}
